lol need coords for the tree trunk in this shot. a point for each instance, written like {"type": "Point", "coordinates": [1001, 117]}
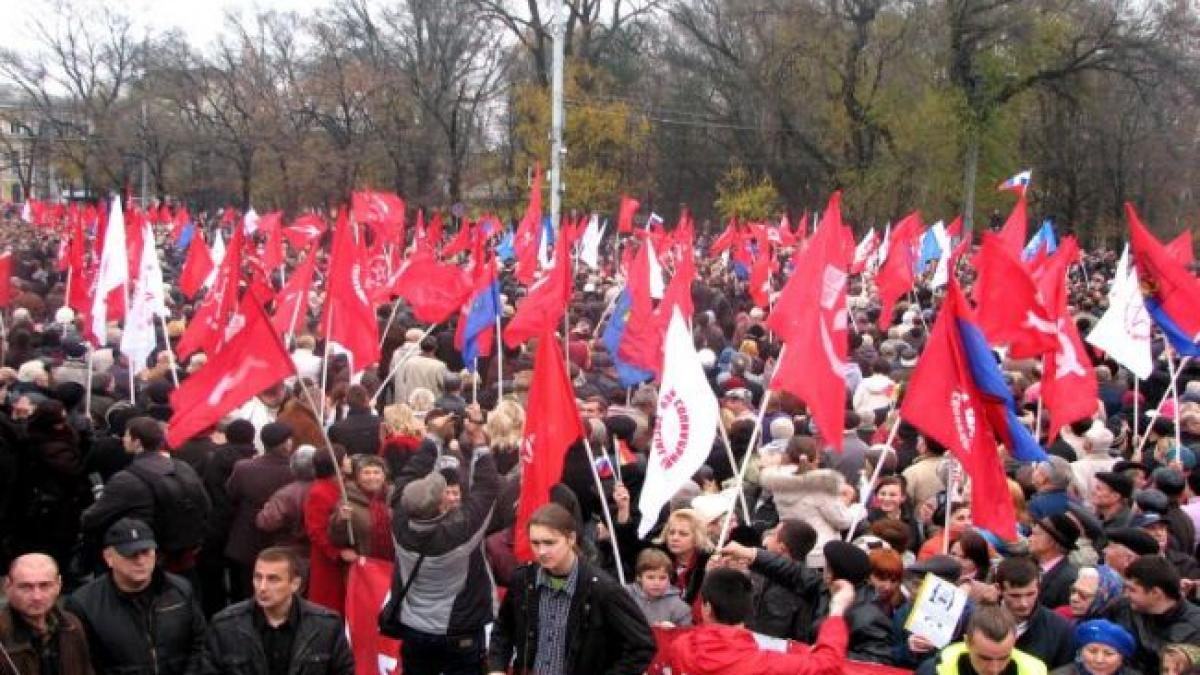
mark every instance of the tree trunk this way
{"type": "Point", "coordinates": [970, 170]}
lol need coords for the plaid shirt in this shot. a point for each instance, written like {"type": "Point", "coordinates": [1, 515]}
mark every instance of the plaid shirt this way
{"type": "Point", "coordinates": [554, 607]}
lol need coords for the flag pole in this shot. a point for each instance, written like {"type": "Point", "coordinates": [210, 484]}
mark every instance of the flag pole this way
{"type": "Point", "coordinates": [499, 360]}
{"type": "Point", "coordinates": [396, 366]}
{"type": "Point", "coordinates": [951, 486]}
{"type": "Point", "coordinates": [733, 464]}
{"type": "Point", "coordinates": [386, 326]}
{"type": "Point", "coordinates": [475, 381]}
{"type": "Point", "coordinates": [741, 475]}
{"type": "Point", "coordinates": [870, 487]}
{"type": "Point", "coordinates": [170, 350]}
{"type": "Point", "coordinates": [87, 402]}
{"type": "Point", "coordinates": [325, 361]}
{"type": "Point", "coordinates": [1136, 394]}
{"type": "Point", "coordinates": [1175, 396]}
{"type": "Point", "coordinates": [337, 468]}
{"type": "Point", "coordinates": [132, 385]}
{"type": "Point", "coordinates": [608, 522]}
{"type": "Point", "coordinates": [1170, 393]}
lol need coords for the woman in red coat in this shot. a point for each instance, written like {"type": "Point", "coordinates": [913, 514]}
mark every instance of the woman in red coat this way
{"type": "Point", "coordinates": [327, 572]}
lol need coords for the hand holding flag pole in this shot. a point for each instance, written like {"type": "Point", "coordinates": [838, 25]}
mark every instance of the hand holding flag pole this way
{"type": "Point", "coordinates": [608, 522]}
{"type": "Point", "coordinates": [741, 474]}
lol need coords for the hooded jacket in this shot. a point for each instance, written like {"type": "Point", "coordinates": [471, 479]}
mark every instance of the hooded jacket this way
{"type": "Point", "coordinates": [814, 497]}
{"type": "Point", "coordinates": [714, 649]}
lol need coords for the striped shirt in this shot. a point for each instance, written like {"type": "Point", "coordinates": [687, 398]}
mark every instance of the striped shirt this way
{"type": "Point", "coordinates": [554, 608]}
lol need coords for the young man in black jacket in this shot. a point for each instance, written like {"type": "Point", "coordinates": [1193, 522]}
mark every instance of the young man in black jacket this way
{"type": "Point", "coordinates": [139, 620]}
{"type": "Point", "coordinates": [277, 632]}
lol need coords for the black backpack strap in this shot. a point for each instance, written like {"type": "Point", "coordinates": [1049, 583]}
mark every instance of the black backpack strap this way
{"type": "Point", "coordinates": [389, 616]}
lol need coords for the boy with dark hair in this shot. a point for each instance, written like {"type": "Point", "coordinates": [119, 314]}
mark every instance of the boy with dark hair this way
{"type": "Point", "coordinates": [723, 645]}
{"type": "Point", "coordinates": [654, 593]}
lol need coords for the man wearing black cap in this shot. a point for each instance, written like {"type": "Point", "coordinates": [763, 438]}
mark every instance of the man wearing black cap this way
{"type": "Point", "coordinates": [871, 634]}
{"type": "Point", "coordinates": [139, 619]}
{"type": "Point", "coordinates": [251, 484]}
{"type": "Point", "coordinates": [1183, 530]}
{"type": "Point", "coordinates": [1111, 495]}
{"type": "Point", "coordinates": [1052, 540]}
{"type": "Point", "coordinates": [1126, 544]}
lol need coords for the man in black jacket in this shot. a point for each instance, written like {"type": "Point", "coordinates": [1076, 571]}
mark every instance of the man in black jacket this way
{"type": "Point", "coordinates": [1040, 631]}
{"type": "Point", "coordinates": [448, 598]}
{"type": "Point", "coordinates": [359, 431]}
{"type": "Point", "coordinates": [139, 620]}
{"type": "Point", "coordinates": [1052, 540]}
{"type": "Point", "coordinates": [1155, 611]}
{"type": "Point", "coordinates": [277, 632]}
{"type": "Point", "coordinates": [139, 491]}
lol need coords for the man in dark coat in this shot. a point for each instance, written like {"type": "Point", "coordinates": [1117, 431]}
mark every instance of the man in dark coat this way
{"type": "Point", "coordinates": [277, 631]}
{"type": "Point", "coordinates": [1046, 635]}
{"type": "Point", "coordinates": [359, 431]}
{"type": "Point", "coordinates": [1155, 611]}
{"type": "Point", "coordinates": [40, 638]}
{"type": "Point", "coordinates": [212, 567]}
{"type": "Point", "coordinates": [251, 484]}
{"type": "Point", "coordinates": [1052, 540]}
{"type": "Point", "coordinates": [139, 619]}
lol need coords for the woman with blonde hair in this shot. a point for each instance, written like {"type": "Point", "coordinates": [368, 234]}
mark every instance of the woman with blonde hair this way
{"type": "Point", "coordinates": [400, 435]}
{"type": "Point", "coordinates": [505, 426]}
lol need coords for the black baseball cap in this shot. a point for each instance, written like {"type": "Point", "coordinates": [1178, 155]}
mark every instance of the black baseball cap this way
{"type": "Point", "coordinates": [130, 536]}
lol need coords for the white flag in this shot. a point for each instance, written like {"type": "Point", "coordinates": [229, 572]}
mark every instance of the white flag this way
{"type": "Point", "coordinates": [138, 339]}
{"type": "Point", "coordinates": [941, 273]}
{"type": "Point", "coordinates": [114, 269]}
{"type": "Point", "coordinates": [865, 248]}
{"type": "Point", "coordinates": [1124, 330]}
{"type": "Point", "coordinates": [685, 427]}
{"type": "Point", "coordinates": [218, 254]}
{"type": "Point", "coordinates": [657, 285]}
{"type": "Point", "coordinates": [250, 221]}
{"type": "Point", "coordinates": [589, 245]}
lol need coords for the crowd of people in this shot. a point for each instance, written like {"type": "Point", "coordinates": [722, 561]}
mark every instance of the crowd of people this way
{"type": "Point", "coordinates": [230, 554]}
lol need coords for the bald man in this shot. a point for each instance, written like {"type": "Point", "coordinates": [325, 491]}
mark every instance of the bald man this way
{"type": "Point", "coordinates": [40, 638]}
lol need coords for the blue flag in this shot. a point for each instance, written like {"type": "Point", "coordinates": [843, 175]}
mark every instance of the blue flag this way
{"type": "Point", "coordinates": [989, 381]}
{"type": "Point", "coordinates": [1043, 237]}
{"type": "Point", "coordinates": [504, 249]}
{"type": "Point", "coordinates": [627, 374]}
{"type": "Point", "coordinates": [185, 237]}
{"type": "Point", "coordinates": [931, 251]}
{"type": "Point", "coordinates": [485, 307]}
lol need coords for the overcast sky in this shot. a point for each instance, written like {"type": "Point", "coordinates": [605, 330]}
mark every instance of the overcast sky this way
{"type": "Point", "coordinates": [201, 20]}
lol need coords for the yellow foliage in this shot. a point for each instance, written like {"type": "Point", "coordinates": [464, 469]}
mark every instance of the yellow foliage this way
{"type": "Point", "coordinates": [746, 197]}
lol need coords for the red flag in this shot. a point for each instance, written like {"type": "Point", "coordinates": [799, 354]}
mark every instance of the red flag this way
{"type": "Point", "coordinates": [1010, 309]}
{"type": "Point", "coordinates": [629, 207]}
{"type": "Point", "coordinates": [679, 290]}
{"type": "Point", "coordinates": [1181, 248]}
{"type": "Point", "coordinates": [250, 361]}
{"type": "Point", "coordinates": [5, 279]}
{"type": "Point", "coordinates": [642, 342]}
{"type": "Point", "coordinates": [207, 330]}
{"type": "Point", "coordinates": [304, 230]}
{"type": "Point", "coordinates": [349, 315]}
{"type": "Point", "coordinates": [1069, 386]}
{"type": "Point", "coordinates": [272, 225]}
{"type": "Point", "coordinates": [436, 229]}
{"type": "Point", "coordinates": [895, 276]}
{"type": "Point", "coordinates": [367, 587]}
{"type": "Point", "coordinates": [1172, 293]}
{"type": "Point", "coordinates": [381, 270]}
{"type": "Point", "coordinates": [461, 241]}
{"type": "Point", "coordinates": [728, 237]}
{"type": "Point", "coordinates": [551, 426]}
{"type": "Point", "coordinates": [384, 210]}
{"type": "Point", "coordinates": [944, 402]}
{"type": "Point", "coordinates": [810, 317]}
{"type": "Point", "coordinates": [1015, 229]}
{"type": "Point", "coordinates": [291, 304]}
{"type": "Point", "coordinates": [544, 304]}
{"type": "Point", "coordinates": [196, 268]}
{"type": "Point", "coordinates": [760, 277]}
{"type": "Point", "coordinates": [529, 232]}
{"type": "Point", "coordinates": [955, 228]}
{"type": "Point", "coordinates": [434, 290]}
